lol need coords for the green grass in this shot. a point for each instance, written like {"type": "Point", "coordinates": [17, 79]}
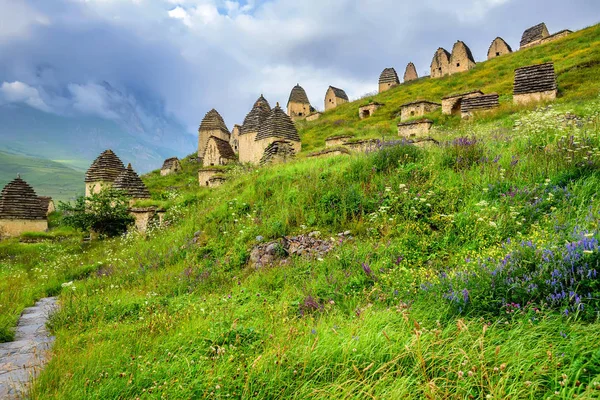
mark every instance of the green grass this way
{"type": "Point", "coordinates": [575, 60]}
{"type": "Point", "coordinates": [48, 178]}
{"type": "Point", "coordinates": [178, 313]}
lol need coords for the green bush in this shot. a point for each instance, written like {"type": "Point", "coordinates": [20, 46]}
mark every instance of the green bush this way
{"type": "Point", "coordinates": [105, 213]}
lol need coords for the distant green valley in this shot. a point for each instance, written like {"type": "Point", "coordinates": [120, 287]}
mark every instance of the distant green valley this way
{"type": "Point", "coordinates": [47, 177]}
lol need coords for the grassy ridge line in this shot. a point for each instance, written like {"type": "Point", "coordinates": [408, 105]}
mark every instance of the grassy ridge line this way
{"type": "Point", "coordinates": [576, 64]}
{"type": "Point", "coordinates": [47, 177]}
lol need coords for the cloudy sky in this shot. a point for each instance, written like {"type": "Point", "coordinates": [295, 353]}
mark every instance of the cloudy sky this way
{"type": "Point", "coordinates": [188, 56]}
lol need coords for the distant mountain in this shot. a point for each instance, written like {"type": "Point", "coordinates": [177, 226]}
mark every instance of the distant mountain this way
{"type": "Point", "coordinates": [138, 132]}
{"type": "Point", "coordinates": [48, 178]}
{"type": "Point", "coordinates": [52, 150]}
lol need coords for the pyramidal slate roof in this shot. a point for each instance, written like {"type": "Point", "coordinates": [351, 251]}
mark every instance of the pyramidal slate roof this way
{"type": "Point", "coordinates": [213, 121]}
{"type": "Point", "coordinates": [389, 75]}
{"type": "Point", "coordinates": [254, 119]}
{"type": "Point", "coordinates": [483, 102]}
{"type": "Point", "coordinates": [45, 202]}
{"type": "Point", "coordinates": [534, 33]}
{"type": "Point", "coordinates": [18, 200]}
{"type": "Point", "coordinates": [224, 147]}
{"type": "Point", "coordinates": [278, 125]}
{"type": "Point", "coordinates": [535, 79]}
{"type": "Point", "coordinates": [339, 93]}
{"type": "Point", "coordinates": [132, 184]}
{"type": "Point", "coordinates": [106, 168]}
{"type": "Point", "coordinates": [298, 95]}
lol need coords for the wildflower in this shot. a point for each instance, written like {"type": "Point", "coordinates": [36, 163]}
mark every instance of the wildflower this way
{"type": "Point", "coordinates": [460, 374]}
{"type": "Point", "coordinates": [367, 270]}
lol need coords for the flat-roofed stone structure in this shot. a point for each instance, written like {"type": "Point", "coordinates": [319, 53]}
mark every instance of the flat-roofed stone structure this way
{"type": "Point", "coordinates": [417, 109]}
{"type": "Point", "coordinates": [218, 152]}
{"type": "Point", "coordinates": [369, 109]}
{"type": "Point", "coordinates": [298, 106]}
{"type": "Point", "coordinates": [415, 129]}
{"type": "Point", "coordinates": [146, 217]}
{"type": "Point", "coordinates": [21, 210]}
{"type": "Point", "coordinates": [329, 152]}
{"type": "Point", "coordinates": [410, 73]}
{"type": "Point", "coordinates": [334, 97]}
{"type": "Point", "coordinates": [461, 59]}
{"type": "Point", "coordinates": [440, 64]}
{"type": "Point", "coordinates": [535, 83]}
{"type": "Point", "coordinates": [498, 48]}
{"type": "Point", "coordinates": [234, 139]}
{"type": "Point", "coordinates": [130, 183]}
{"type": "Point", "coordinates": [361, 145]}
{"type": "Point", "coordinates": [170, 166]}
{"type": "Point", "coordinates": [337, 140]}
{"type": "Point", "coordinates": [479, 103]}
{"type": "Point", "coordinates": [250, 151]}
{"type": "Point", "coordinates": [205, 175]}
{"type": "Point", "coordinates": [212, 125]}
{"type": "Point", "coordinates": [451, 105]}
{"type": "Point", "coordinates": [534, 35]}
{"type": "Point", "coordinates": [47, 204]}
{"type": "Point", "coordinates": [277, 127]}
{"type": "Point", "coordinates": [216, 180]}
{"type": "Point", "coordinates": [388, 79]}
{"type": "Point", "coordinates": [103, 172]}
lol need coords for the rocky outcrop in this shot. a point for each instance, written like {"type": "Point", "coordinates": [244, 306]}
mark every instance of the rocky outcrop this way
{"type": "Point", "coordinates": [279, 251]}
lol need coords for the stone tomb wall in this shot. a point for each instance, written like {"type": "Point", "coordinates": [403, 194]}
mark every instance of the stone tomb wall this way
{"type": "Point", "coordinates": [415, 129]}
{"type": "Point", "coordinates": [250, 150]}
{"type": "Point", "coordinates": [362, 146]}
{"type": "Point", "coordinates": [417, 109]}
{"type": "Point", "coordinates": [451, 105]}
{"type": "Point", "coordinates": [334, 151]}
{"type": "Point", "coordinates": [368, 110]}
{"type": "Point", "coordinates": [15, 227]}
{"type": "Point", "coordinates": [498, 48]}
{"type": "Point", "coordinates": [205, 174]}
{"type": "Point", "coordinates": [335, 141]}
{"type": "Point", "coordinates": [298, 111]}
{"type": "Point", "coordinates": [538, 97]}
{"type": "Point", "coordinates": [216, 181]}
{"type": "Point", "coordinates": [95, 187]}
{"type": "Point", "coordinates": [212, 155]}
{"type": "Point", "coordinates": [204, 135]}
{"type": "Point", "coordinates": [146, 217]}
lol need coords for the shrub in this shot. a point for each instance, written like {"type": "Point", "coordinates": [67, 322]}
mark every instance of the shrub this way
{"type": "Point", "coordinates": [105, 213]}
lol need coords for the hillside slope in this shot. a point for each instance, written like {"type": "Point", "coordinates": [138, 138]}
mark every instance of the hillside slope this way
{"type": "Point", "coordinates": [465, 270]}
{"type": "Point", "coordinates": [575, 60]}
{"type": "Point", "coordinates": [48, 178]}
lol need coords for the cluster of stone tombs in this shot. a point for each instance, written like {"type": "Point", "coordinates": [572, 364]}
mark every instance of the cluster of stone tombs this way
{"type": "Point", "coordinates": [461, 58]}
{"type": "Point", "coordinates": [269, 135]}
{"type": "Point", "coordinates": [532, 83]}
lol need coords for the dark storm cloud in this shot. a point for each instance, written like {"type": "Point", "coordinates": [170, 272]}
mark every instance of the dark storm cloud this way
{"type": "Point", "coordinates": [189, 56]}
